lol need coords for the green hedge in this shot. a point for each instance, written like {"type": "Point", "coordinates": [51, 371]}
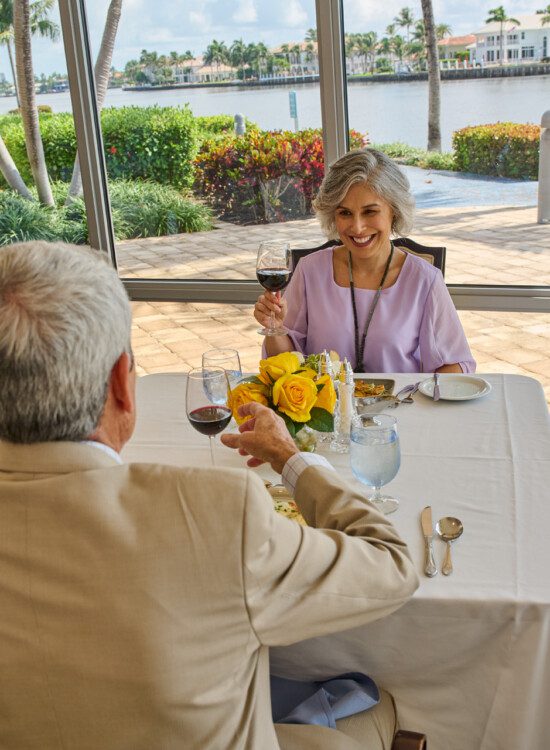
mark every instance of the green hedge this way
{"type": "Point", "coordinates": [212, 125]}
{"type": "Point", "coordinates": [417, 157]}
{"type": "Point", "coordinates": [152, 143]}
{"type": "Point", "coordinates": [505, 149]}
{"type": "Point", "coordinates": [263, 176]}
{"type": "Point", "coordinates": [140, 209]}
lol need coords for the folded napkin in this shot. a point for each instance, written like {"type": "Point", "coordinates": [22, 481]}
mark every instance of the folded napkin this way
{"type": "Point", "coordinates": [321, 703]}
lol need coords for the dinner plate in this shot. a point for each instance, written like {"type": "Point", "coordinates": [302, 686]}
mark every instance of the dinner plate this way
{"type": "Point", "coordinates": [456, 387]}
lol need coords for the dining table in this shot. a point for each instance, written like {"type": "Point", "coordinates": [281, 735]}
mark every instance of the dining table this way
{"type": "Point", "coordinates": [467, 659]}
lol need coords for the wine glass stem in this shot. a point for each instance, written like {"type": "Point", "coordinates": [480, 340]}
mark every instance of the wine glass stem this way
{"type": "Point", "coordinates": [376, 497]}
{"type": "Point", "coordinates": [211, 441]}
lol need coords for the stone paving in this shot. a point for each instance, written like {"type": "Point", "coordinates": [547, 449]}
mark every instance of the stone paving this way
{"type": "Point", "coordinates": [488, 245]}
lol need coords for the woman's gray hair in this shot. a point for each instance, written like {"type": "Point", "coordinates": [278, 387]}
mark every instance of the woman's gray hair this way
{"type": "Point", "coordinates": [379, 173]}
{"type": "Point", "coordinates": [64, 321]}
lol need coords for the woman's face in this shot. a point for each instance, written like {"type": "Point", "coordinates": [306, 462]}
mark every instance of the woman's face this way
{"type": "Point", "coordinates": [363, 222]}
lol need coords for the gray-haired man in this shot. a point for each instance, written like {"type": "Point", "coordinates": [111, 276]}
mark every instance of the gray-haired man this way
{"type": "Point", "coordinates": [132, 618]}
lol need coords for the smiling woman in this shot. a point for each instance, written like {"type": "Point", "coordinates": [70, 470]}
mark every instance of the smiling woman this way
{"type": "Point", "coordinates": [381, 307]}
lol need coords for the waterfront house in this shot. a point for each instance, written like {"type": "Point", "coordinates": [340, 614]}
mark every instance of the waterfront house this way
{"type": "Point", "coordinates": [453, 47]}
{"type": "Point", "coordinates": [527, 42]}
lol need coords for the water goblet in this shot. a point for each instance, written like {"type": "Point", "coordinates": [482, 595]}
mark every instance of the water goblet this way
{"type": "Point", "coordinates": [206, 402]}
{"type": "Point", "coordinates": [273, 273]}
{"type": "Point", "coordinates": [375, 455]}
{"type": "Point", "coordinates": [228, 360]}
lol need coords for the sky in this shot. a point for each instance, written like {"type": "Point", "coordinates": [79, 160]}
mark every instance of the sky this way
{"type": "Point", "coordinates": [166, 25]}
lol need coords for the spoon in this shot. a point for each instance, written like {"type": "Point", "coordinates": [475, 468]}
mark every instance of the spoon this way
{"type": "Point", "coordinates": [448, 529]}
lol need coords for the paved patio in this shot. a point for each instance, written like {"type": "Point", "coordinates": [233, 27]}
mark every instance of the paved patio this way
{"type": "Point", "coordinates": [495, 245]}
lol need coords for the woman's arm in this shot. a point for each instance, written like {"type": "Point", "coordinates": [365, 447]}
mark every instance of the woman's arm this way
{"type": "Point", "coordinates": [443, 344]}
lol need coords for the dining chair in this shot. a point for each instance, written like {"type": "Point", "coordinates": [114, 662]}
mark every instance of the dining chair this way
{"type": "Point", "coordinates": [434, 255]}
{"type": "Point", "coordinates": [404, 740]}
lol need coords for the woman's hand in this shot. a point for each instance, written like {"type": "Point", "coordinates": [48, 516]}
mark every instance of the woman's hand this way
{"type": "Point", "coordinates": [270, 303]}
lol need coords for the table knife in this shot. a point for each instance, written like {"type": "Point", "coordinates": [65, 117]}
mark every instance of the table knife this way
{"type": "Point", "coordinates": [430, 568]}
{"type": "Point", "coordinates": [436, 386]}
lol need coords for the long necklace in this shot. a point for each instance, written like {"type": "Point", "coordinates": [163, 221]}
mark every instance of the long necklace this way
{"type": "Point", "coordinates": [360, 347]}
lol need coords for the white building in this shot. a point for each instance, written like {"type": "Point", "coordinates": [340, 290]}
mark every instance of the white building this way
{"type": "Point", "coordinates": [526, 42]}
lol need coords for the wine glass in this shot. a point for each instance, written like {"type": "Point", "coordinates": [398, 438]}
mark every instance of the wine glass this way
{"type": "Point", "coordinates": [206, 402]}
{"type": "Point", "coordinates": [273, 273]}
{"type": "Point", "coordinates": [375, 455]}
{"type": "Point", "coordinates": [228, 360]}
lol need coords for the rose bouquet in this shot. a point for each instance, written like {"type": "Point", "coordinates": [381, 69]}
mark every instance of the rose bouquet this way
{"type": "Point", "coordinates": [291, 388]}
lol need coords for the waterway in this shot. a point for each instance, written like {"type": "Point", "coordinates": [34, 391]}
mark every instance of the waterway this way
{"type": "Point", "coordinates": [388, 112]}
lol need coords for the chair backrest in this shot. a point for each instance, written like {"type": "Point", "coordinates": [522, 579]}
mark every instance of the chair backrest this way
{"type": "Point", "coordinates": [434, 255]}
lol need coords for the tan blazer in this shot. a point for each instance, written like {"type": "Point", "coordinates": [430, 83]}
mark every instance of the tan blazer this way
{"type": "Point", "coordinates": [137, 602]}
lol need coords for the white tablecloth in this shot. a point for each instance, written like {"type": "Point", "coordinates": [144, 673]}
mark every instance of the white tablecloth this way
{"type": "Point", "coordinates": [468, 658]}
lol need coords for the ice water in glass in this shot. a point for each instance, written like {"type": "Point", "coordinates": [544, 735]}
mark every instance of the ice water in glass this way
{"type": "Point", "coordinates": [375, 455]}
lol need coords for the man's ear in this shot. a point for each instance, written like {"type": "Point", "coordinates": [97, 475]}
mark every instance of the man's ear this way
{"type": "Point", "coordinates": [122, 383]}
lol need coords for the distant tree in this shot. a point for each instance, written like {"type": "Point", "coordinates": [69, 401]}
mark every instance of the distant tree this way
{"type": "Point", "coordinates": [237, 55]}
{"type": "Point", "coordinates": [498, 15]}
{"type": "Point", "coordinates": [216, 54]}
{"type": "Point", "coordinates": [311, 35]}
{"type": "Point", "coordinates": [434, 80]}
{"type": "Point", "coordinates": [366, 47]}
{"type": "Point", "coordinates": [405, 20]}
{"type": "Point", "coordinates": [398, 46]}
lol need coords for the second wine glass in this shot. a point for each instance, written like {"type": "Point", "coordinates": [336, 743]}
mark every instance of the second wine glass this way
{"type": "Point", "coordinates": [206, 402]}
{"type": "Point", "coordinates": [273, 273]}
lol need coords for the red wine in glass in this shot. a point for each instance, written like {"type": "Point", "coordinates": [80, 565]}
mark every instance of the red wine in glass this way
{"type": "Point", "coordinates": [209, 420]}
{"type": "Point", "coordinates": [206, 402]}
{"type": "Point", "coordinates": [273, 279]}
{"type": "Point", "coordinates": [273, 273]}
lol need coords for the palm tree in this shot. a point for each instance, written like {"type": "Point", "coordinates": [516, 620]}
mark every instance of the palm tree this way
{"type": "Point", "coordinates": [311, 35]}
{"type": "Point", "coordinates": [366, 46]}
{"type": "Point", "coordinates": [29, 111]}
{"type": "Point", "coordinates": [237, 53]}
{"type": "Point", "coordinates": [101, 73]}
{"type": "Point", "coordinates": [546, 15]}
{"type": "Point", "coordinates": [217, 54]}
{"type": "Point", "coordinates": [434, 82]}
{"type": "Point", "coordinates": [498, 15]}
{"type": "Point", "coordinates": [405, 20]}
{"type": "Point", "coordinates": [40, 24]}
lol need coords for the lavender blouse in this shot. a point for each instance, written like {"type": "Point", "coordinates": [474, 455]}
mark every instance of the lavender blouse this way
{"type": "Point", "coordinates": [415, 327]}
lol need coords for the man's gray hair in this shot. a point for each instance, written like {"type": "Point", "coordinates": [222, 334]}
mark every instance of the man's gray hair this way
{"type": "Point", "coordinates": [379, 173]}
{"type": "Point", "coordinates": [64, 321]}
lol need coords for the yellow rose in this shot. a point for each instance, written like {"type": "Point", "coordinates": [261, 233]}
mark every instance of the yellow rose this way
{"type": "Point", "coordinates": [307, 372]}
{"type": "Point", "coordinates": [244, 394]}
{"type": "Point", "coordinates": [281, 364]}
{"type": "Point", "coordinates": [326, 398]}
{"type": "Point", "coordinates": [294, 395]}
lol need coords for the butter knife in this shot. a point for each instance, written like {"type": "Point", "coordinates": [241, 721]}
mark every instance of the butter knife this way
{"type": "Point", "coordinates": [430, 568]}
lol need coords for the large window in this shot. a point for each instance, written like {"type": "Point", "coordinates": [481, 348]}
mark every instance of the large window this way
{"type": "Point", "coordinates": [212, 131]}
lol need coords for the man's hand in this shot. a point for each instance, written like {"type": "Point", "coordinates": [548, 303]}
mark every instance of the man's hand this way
{"type": "Point", "coordinates": [264, 437]}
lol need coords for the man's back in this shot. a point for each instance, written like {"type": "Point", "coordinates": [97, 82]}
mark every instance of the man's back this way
{"type": "Point", "coordinates": [137, 601]}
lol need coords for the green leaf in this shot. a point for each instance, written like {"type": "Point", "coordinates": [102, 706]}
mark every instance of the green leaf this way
{"type": "Point", "coordinates": [290, 424]}
{"type": "Point", "coordinates": [321, 420]}
{"type": "Point", "coordinates": [251, 379]}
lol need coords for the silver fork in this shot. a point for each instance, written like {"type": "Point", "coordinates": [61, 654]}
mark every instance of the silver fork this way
{"type": "Point", "coordinates": [436, 386]}
{"type": "Point", "coordinates": [408, 392]}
